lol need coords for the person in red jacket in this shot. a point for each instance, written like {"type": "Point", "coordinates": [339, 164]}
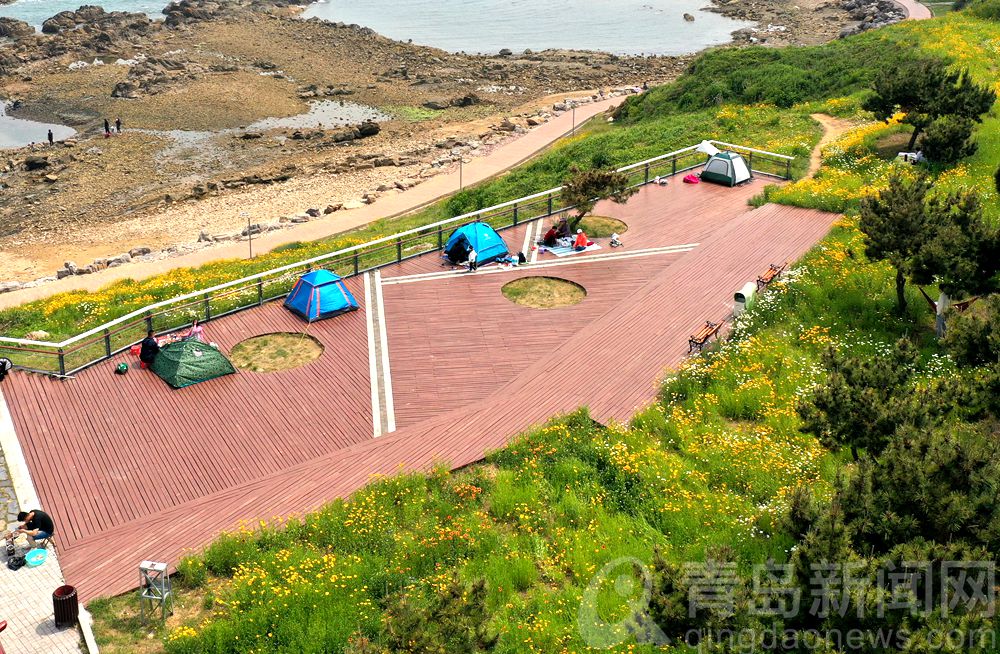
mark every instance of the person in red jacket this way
{"type": "Point", "coordinates": [581, 241]}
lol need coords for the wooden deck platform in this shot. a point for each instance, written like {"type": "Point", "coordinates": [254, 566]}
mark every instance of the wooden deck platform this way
{"type": "Point", "coordinates": [254, 446]}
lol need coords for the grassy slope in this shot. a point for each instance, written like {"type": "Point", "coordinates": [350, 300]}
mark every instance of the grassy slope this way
{"type": "Point", "coordinates": [704, 471]}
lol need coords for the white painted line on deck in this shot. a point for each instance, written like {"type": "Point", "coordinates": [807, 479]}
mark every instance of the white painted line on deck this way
{"type": "Point", "coordinates": [529, 229]}
{"type": "Point", "coordinates": [390, 409]}
{"type": "Point", "coordinates": [538, 235]}
{"type": "Point", "coordinates": [372, 367]}
{"type": "Point", "coordinates": [575, 260]}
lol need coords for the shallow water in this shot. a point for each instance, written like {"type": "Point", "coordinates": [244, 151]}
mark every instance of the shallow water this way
{"type": "Point", "coordinates": [619, 26]}
{"type": "Point", "coordinates": [324, 113]}
{"type": "Point", "coordinates": [36, 11]}
{"type": "Point", "coordinates": [16, 132]}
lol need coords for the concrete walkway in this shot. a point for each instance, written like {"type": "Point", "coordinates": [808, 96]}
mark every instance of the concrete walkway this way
{"type": "Point", "coordinates": [26, 599]}
{"type": "Point", "coordinates": [499, 161]}
{"type": "Point", "coordinates": [914, 10]}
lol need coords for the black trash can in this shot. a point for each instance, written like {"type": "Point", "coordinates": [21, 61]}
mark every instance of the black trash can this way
{"type": "Point", "coordinates": [66, 606]}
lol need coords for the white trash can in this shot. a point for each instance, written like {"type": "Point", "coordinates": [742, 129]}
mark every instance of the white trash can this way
{"type": "Point", "coordinates": [743, 298]}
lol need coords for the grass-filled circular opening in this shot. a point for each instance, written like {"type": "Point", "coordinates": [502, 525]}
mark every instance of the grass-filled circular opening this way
{"type": "Point", "coordinates": [602, 226]}
{"type": "Point", "coordinates": [274, 352]}
{"type": "Point", "coordinates": [543, 292]}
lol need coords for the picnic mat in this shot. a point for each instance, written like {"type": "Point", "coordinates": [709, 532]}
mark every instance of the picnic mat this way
{"type": "Point", "coordinates": [568, 250]}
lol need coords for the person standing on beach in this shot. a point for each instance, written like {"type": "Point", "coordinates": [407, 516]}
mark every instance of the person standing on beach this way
{"type": "Point", "coordinates": [52, 138]}
{"type": "Point", "coordinates": [107, 128]}
{"type": "Point", "coordinates": [118, 125]}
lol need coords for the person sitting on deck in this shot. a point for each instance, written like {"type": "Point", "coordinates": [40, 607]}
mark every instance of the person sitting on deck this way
{"type": "Point", "coordinates": [148, 350]}
{"type": "Point", "coordinates": [197, 332]}
{"type": "Point", "coordinates": [549, 240]}
{"type": "Point", "coordinates": [562, 229]}
{"type": "Point", "coordinates": [36, 525]}
{"type": "Point", "coordinates": [581, 242]}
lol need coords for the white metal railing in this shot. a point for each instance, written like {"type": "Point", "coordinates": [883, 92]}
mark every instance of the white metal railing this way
{"type": "Point", "coordinates": [547, 198]}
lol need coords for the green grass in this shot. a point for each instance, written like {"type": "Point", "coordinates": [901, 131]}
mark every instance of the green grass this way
{"type": "Point", "coordinates": [543, 292]}
{"type": "Point", "coordinates": [602, 226]}
{"type": "Point", "coordinates": [275, 352]}
{"type": "Point", "coordinates": [413, 114]}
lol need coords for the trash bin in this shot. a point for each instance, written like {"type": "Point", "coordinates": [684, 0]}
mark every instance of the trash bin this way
{"type": "Point", "coordinates": [66, 606]}
{"type": "Point", "coordinates": [743, 298]}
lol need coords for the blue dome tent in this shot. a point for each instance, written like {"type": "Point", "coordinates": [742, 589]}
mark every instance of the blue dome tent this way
{"type": "Point", "coordinates": [487, 243]}
{"type": "Point", "coordinates": [320, 294]}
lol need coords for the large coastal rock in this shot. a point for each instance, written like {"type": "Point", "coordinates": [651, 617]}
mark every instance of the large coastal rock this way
{"type": "Point", "coordinates": [182, 12]}
{"type": "Point", "coordinates": [11, 28]}
{"type": "Point", "coordinates": [870, 14]}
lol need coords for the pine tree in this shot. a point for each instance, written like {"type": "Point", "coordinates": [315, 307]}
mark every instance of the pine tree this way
{"type": "Point", "coordinates": [864, 400]}
{"type": "Point", "coordinates": [585, 188]}
{"type": "Point", "coordinates": [895, 226]}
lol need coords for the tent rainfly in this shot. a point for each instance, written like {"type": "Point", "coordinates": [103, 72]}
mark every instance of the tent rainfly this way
{"type": "Point", "coordinates": [320, 294]}
{"type": "Point", "coordinates": [727, 168]}
{"type": "Point", "coordinates": [190, 362]}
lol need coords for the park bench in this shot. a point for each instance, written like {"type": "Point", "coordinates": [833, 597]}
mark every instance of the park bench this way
{"type": "Point", "coordinates": [769, 275]}
{"type": "Point", "coordinates": [700, 339]}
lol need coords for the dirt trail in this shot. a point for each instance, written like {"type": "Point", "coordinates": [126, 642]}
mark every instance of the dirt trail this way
{"type": "Point", "coordinates": [833, 128]}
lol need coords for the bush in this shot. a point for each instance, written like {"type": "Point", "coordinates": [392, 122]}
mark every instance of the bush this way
{"type": "Point", "coordinates": [973, 337]}
{"type": "Point", "coordinates": [986, 9]}
{"type": "Point", "coordinates": [191, 572]}
{"type": "Point", "coordinates": [948, 139]}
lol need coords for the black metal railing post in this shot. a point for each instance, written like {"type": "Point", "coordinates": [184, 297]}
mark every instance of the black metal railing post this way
{"type": "Point", "coordinates": [260, 292]}
{"type": "Point", "coordinates": [399, 250]}
{"type": "Point", "coordinates": [440, 238]}
{"type": "Point", "coordinates": [357, 264]}
{"type": "Point", "coordinates": [62, 362]}
{"type": "Point", "coordinates": [515, 214]}
{"type": "Point", "coordinates": [107, 342]}
{"type": "Point", "coordinates": [208, 307]}
{"type": "Point", "coordinates": [149, 321]}
{"type": "Point", "coordinates": [646, 176]}
{"type": "Point", "coordinates": [550, 205]}
{"type": "Point", "coordinates": [673, 163]}
{"type": "Point", "coordinates": [750, 163]}
{"type": "Point", "coordinates": [788, 168]}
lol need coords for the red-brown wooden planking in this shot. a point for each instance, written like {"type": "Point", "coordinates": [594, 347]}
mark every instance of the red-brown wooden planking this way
{"type": "Point", "coordinates": [634, 323]}
{"type": "Point", "coordinates": [104, 449]}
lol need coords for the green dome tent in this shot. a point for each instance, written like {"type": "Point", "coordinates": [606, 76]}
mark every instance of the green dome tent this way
{"type": "Point", "coordinates": [188, 362]}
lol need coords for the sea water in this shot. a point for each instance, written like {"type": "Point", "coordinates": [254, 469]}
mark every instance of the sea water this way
{"type": "Point", "coordinates": [15, 132]}
{"type": "Point", "coordinates": [618, 26]}
{"type": "Point", "coordinates": [487, 26]}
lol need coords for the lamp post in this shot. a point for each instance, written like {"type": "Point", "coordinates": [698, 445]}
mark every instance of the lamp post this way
{"type": "Point", "coordinates": [249, 232]}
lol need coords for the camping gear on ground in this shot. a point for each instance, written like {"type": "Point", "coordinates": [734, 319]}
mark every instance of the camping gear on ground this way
{"type": "Point", "coordinates": [5, 366]}
{"type": "Point", "coordinates": [15, 562]}
{"type": "Point", "coordinates": [565, 251]}
{"type": "Point", "coordinates": [475, 236]}
{"type": "Point", "coordinates": [691, 179]}
{"type": "Point", "coordinates": [121, 368]}
{"type": "Point", "coordinates": [705, 147]}
{"type": "Point", "coordinates": [320, 294]}
{"type": "Point", "coordinates": [36, 557]}
{"type": "Point", "coordinates": [726, 168]}
{"type": "Point", "coordinates": [616, 240]}
{"type": "Point", "coordinates": [185, 363]}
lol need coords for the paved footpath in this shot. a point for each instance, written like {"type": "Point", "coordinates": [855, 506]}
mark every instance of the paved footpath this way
{"type": "Point", "coordinates": [26, 594]}
{"type": "Point", "coordinates": [500, 160]}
